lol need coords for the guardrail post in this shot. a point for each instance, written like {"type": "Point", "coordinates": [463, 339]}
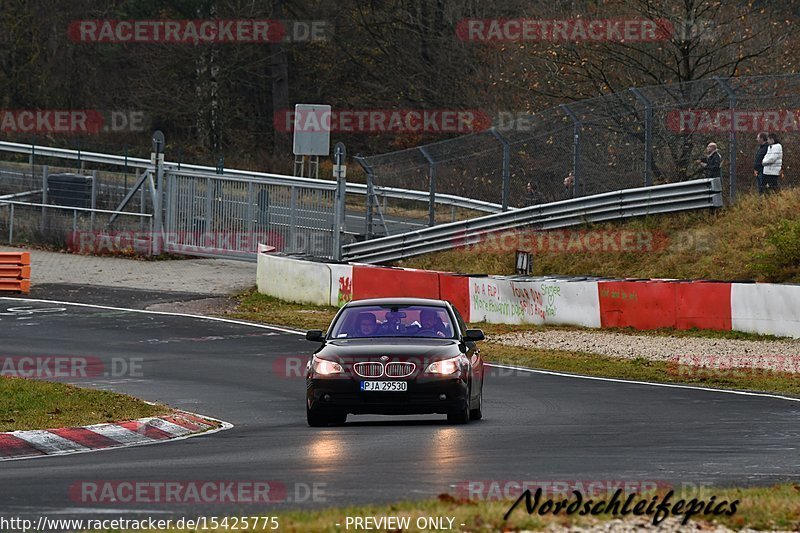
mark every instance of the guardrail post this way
{"type": "Point", "coordinates": [506, 167]}
{"type": "Point", "coordinates": [576, 148]}
{"type": "Point", "coordinates": [648, 136]}
{"type": "Point", "coordinates": [731, 139]}
{"type": "Point", "coordinates": [432, 186]}
{"type": "Point", "coordinates": [11, 224]}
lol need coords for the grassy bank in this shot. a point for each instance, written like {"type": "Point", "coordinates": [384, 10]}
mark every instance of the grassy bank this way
{"type": "Point", "coordinates": [33, 404]}
{"type": "Point", "coordinates": [756, 239]}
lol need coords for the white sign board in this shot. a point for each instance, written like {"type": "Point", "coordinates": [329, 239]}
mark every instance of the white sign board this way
{"type": "Point", "coordinates": [312, 129]}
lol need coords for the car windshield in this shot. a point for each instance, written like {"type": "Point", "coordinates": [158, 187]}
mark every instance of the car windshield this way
{"type": "Point", "coordinates": [368, 321]}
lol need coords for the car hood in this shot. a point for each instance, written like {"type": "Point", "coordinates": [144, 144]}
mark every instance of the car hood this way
{"type": "Point", "coordinates": [397, 349]}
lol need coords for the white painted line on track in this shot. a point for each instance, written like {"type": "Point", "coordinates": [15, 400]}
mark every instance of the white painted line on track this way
{"type": "Point", "coordinates": [650, 383]}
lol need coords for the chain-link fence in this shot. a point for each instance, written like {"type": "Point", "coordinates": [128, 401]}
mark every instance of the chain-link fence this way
{"type": "Point", "coordinates": [646, 136]}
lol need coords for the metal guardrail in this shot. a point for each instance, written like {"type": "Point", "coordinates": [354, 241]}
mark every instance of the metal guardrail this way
{"type": "Point", "coordinates": [669, 198]}
{"type": "Point", "coordinates": [277, 179]}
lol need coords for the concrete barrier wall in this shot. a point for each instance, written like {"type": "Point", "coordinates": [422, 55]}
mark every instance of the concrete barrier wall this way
{"type": "Point", "coordinates": [648, 304]}
{"type": "Point", "coordinates": [766, 308]}
{"type": "Point", "coordinates": [503, 301]}
{"type": "Point", "coordinates": [293, 280]}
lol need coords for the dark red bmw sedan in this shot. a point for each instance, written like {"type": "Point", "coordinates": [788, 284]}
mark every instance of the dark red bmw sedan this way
{"type": "Point", "coordinates": [395, 356]}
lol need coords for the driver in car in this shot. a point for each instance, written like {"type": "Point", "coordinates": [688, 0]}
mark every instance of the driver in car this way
{"type": "Point", "coordinates": [431, 324]}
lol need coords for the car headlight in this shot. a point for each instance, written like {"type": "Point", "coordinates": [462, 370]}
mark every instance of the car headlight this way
{"type": "Point", "coordinates": [445, 367]}
{"type": "Point", "coordinates": [326, 368]}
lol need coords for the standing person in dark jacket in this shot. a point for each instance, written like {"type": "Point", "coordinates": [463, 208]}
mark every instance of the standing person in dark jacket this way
{"type": "Point", "coordinates": [758, 164]}
{"type": "Point", "coordinates": [711, 162]}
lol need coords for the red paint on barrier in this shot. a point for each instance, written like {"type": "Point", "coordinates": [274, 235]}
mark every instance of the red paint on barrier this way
{"type": "Point", "coordinates": [455, 289]}
{"type": "Point", "coordinates": [703, 305]}
{"type": "Point", "coordinates": [377, 282]}
{"type": "Point", "coordinates": [637, 304]}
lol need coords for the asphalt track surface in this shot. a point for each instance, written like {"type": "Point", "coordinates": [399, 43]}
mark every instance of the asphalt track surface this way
{"type": "Point", "coordinates": [536, 427]}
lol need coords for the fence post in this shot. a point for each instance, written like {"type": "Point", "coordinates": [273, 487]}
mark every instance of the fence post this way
{"type": "Point", "coordinates": [370, 200]}
{"type": "Point", "coordinates": [339, 215]}
{"type": "Point", "coordinates": [506, 167]}
{"type": "Point", "coordinates": [45, 185]}
{"type": "Point", "coordinates": [293, 220]}
{"type": "Point", "coordinates": [648, 136]}
{"type": "Point", "coordinates": [431, 187]}
{"type": "Point", "coordinates": [731, 139]}
{"type": "Point", "coordinates": [94, 199]}
{"type": "Point", "coordinates": [576, 148]}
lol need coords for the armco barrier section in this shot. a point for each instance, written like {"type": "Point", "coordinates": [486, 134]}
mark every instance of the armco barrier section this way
{"type": "Point", "coordinates": [15, 271]}
{"type": "Point", "coordinates": [766, 308]}
{"type": "Point", "coordinates": [293, 280]}
{"type": "Point", "coordinates": [506, 301]}
{"type": "Point", "coordinates": [642, 304]}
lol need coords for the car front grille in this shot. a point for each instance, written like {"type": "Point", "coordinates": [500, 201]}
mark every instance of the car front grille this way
{"type": "Point", "coordinates": [368, 370]}
{"type": "Point", "coordinates": [399, 370]}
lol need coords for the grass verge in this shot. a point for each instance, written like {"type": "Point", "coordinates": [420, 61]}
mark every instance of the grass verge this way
{"type": "Point", "coordinates": [33, 404]}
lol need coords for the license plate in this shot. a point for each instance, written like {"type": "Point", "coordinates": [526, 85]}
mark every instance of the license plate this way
{"type": "Point", "coordinates": [384, 386]}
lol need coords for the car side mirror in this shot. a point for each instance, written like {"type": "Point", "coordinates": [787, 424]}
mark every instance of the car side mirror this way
{"type": "Point", "coordinates": [474, 335]}
{"type": "Point", "coordinates": [315, 335]}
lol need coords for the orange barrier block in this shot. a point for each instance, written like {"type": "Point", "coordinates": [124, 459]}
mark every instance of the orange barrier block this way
{"type": "Point", "coordinates": [15, 258]}
{"type": "Point", "coordinates": [455, 289]}
{"type": "Point", "coordinates": [637, 304]}
{"type": "Point", "coordinates": [379, 282]}
{"type": "Point", "coordinates": [15, 271]}
{"type": "Point", "coordinates": [704, 305]}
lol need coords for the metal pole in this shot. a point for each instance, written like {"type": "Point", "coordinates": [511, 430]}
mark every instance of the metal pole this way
{"type": "Point", "coordinates": [94, 199]}
{"type": "Point", "coordinates": [576, 148]}
{"type": "Point", "coordinates": [293, 220]}
{"type": "Point", "coordinates": [45, 185]}
{"type": "Point", "coordinates": [370, 201]}
{"type": "Point", "coordinates": [506, 167]}
{"type": "Point", "coordinates": [339, 216]}
{"type": "Point", "coordinates": [648, 136]}
{"type": "Point", "coordinates": [11, 225]}
{"type": "Point", "coordinates": [431, 187]}
{"type": "Point", "coordinates": [731, 139]}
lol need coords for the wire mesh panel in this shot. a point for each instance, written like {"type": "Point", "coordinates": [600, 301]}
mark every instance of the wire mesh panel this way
{"type": "Point", "coordinates": [208, 214]}
{"type": "Point", "coordinates": [650, 135]}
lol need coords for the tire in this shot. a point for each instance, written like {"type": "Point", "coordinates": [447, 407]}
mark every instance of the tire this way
{"type": "Point", "coordinates": [317, 418]}
{"type": "Point", "coordinates": [477, 414]}
{"type": "Point", "coordinates": [460, 415]}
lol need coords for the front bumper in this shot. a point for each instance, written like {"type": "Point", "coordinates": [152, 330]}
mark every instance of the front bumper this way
{"type": "Point", "coordinates": [424, 396]}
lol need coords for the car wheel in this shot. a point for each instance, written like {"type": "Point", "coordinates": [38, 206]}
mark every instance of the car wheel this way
{"type": "Point", "coordinates": [477, 414]}
{"type": "Point", "coordinates": [460, 415]}
{"type": "Point", "coordinates": [317, 418]}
